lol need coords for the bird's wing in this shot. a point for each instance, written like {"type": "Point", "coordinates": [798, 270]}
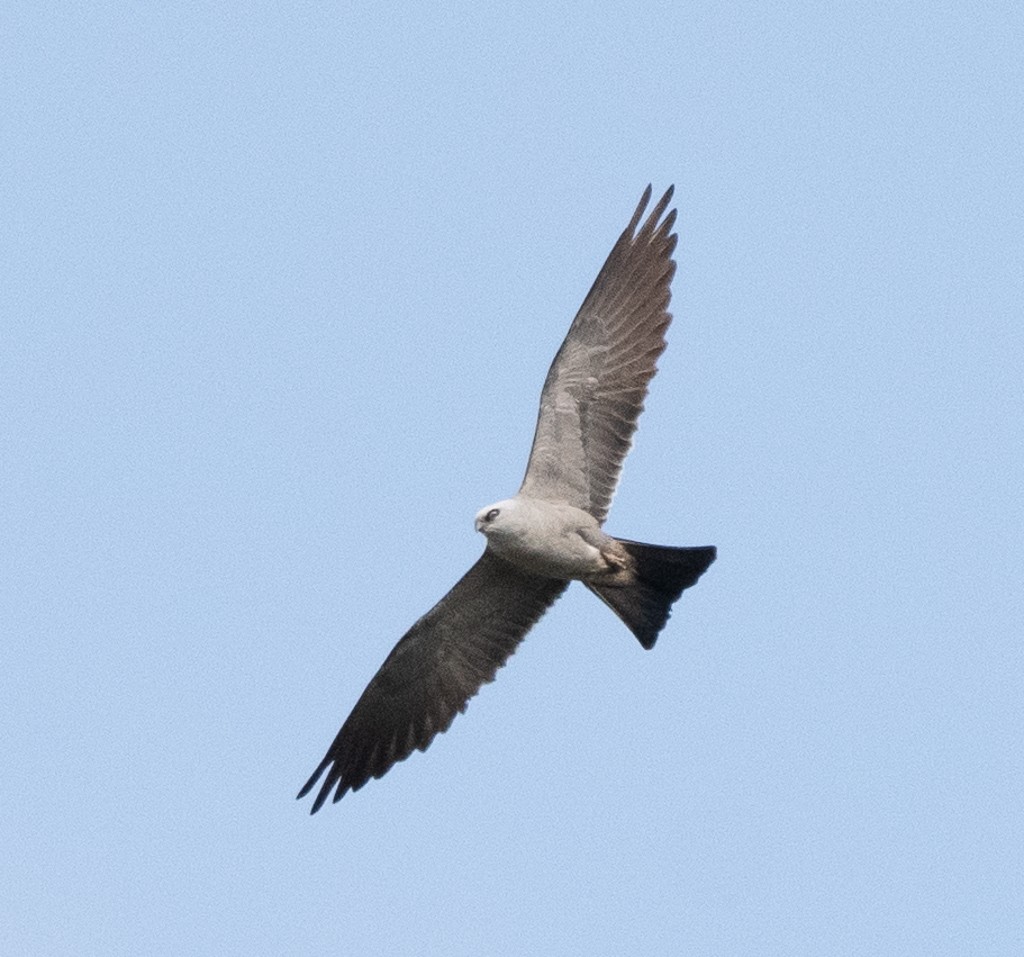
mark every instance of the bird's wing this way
{"type": "Point", "coordinates": [435, 669]}
{"type": "Point", "coordinates": [595, 388]}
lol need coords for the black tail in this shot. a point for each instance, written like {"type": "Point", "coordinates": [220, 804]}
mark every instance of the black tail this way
{"type": "Point", "coordinates": [662, 574]}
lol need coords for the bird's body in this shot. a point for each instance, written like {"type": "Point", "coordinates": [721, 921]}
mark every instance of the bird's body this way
{"type": "Point", "coordinates": [546, 538]}
{"type": "Point", "coordinates": [549, 533]}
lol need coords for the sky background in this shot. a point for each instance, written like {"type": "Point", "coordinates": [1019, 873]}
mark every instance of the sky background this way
{"type": "Point", "coordinates": [279, 286]}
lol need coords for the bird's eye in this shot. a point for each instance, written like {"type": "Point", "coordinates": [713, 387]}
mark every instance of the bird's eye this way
{"type": "Point", "coordinates": [492, 515]}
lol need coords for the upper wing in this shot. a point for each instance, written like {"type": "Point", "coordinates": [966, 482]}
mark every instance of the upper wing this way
{"type": "Point", "coordinates": [595, 388]}
{"type": "Point", "coordinates": [433, 671]}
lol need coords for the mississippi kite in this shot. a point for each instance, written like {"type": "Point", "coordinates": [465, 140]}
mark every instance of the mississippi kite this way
{"type": "Point", "coordinates": [549, 533]}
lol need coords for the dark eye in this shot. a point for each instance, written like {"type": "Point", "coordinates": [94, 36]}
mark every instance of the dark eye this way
{"type": "Point", "coordinates": [492, 515]}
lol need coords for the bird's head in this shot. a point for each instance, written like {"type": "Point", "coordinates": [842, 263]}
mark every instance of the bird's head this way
{"type": "Point", "coordinates": [493, 518]}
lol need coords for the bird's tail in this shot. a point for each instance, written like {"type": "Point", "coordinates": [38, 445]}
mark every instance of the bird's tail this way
{"type": "Point", "coordinates": [660, 575]}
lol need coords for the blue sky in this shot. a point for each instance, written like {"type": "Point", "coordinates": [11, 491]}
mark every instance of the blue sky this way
{"type": "Point", "coordinates": [279, 287]}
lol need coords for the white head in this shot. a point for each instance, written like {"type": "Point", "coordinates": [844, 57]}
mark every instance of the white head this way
{"type": "Point", "coordinates": [494, 519]}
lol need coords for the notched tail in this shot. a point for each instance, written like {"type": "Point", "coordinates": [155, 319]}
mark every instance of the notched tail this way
{"type": "Point", "coordinates": [661, 575]}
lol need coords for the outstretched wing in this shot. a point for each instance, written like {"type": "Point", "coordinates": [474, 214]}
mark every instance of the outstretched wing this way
{"type": "Point", "coordinates": [433, 671]}
{"type": "Point", "coordinates": [595, 389]}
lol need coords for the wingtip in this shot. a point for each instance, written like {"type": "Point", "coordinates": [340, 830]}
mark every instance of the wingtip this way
{"type": "Point", "coordinates": [334, 782]}
{"type": "Point", "coordinates": [665, 198]}
{"type": "Point", "coordinates": [311, 783]}
{"type": "Point", "coordinates": [656, 213]}
{"type": "Point", "coordinates": [659, 209]}
{"type": "Point", "coordinates": [630, 230]}
{"type": "Point", "coordinates": [321, 798]}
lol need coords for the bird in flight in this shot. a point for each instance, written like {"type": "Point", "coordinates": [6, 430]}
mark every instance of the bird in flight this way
{"type": "Point", "coordinates": [549, 533]}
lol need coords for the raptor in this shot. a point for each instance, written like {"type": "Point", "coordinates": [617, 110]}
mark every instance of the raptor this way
{"type": "Point", "coordinates": [550, 533]}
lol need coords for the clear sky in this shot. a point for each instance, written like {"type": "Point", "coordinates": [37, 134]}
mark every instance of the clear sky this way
{"type": "Point", "coordinates": [279, 287]}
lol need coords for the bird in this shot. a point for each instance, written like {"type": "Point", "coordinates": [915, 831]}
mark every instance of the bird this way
{"type": "Point", "coordinates": [550, 532]}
